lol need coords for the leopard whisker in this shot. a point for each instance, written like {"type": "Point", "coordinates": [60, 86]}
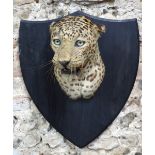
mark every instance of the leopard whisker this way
{"type": "Point", "coordinates": [51, 74]}
{"type": "Point", "coordinates": [44, 65]}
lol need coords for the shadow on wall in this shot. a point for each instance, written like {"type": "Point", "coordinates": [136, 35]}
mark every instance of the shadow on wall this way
{"type": "Point", "coordinates": [80, 2]}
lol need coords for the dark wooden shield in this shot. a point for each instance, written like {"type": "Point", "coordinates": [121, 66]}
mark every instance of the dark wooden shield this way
{"type": "Point", "coordinates": [80, 121]}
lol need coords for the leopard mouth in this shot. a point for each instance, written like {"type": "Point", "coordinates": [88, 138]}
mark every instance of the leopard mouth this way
{"type": "Point", "coordinates": [73, 70]}
{"type": "Point", "coordinates": [65, 70]}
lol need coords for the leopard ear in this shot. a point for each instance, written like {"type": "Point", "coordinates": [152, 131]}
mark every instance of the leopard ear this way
{"type": "Point", "coordinates": [51, 26]}
{"type": "Point", "coordinates": [98, 30]}
{"type": "Point", "coordinates": [101, 28]}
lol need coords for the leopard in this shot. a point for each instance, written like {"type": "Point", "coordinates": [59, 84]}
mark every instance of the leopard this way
{"type": "Point", "coordinates": [78, 65]}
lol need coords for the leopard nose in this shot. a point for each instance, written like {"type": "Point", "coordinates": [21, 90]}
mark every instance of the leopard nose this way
{"type": "Point", "coordinates": [64, 63]}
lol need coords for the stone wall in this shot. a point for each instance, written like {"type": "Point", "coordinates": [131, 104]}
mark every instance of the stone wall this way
{"type": "Point", "coordinates": [32, 133]}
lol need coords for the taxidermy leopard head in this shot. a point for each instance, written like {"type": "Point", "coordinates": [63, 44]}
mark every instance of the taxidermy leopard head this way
{"type": "Point", "coordinates": [78, 66]}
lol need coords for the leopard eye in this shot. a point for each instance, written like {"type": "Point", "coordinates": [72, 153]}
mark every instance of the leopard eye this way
{"type": "Point", "coordinates": [57, 42]}
{"type": "Point", "coordinates": [79, 43]}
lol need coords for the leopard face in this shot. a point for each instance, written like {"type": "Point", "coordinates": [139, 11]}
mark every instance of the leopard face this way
{"type": "Point", "coordinates": [71, 40]}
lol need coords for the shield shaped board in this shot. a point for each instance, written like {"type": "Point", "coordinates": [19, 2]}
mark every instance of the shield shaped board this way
{"type": "Point", "coordinates": [82, 120]}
